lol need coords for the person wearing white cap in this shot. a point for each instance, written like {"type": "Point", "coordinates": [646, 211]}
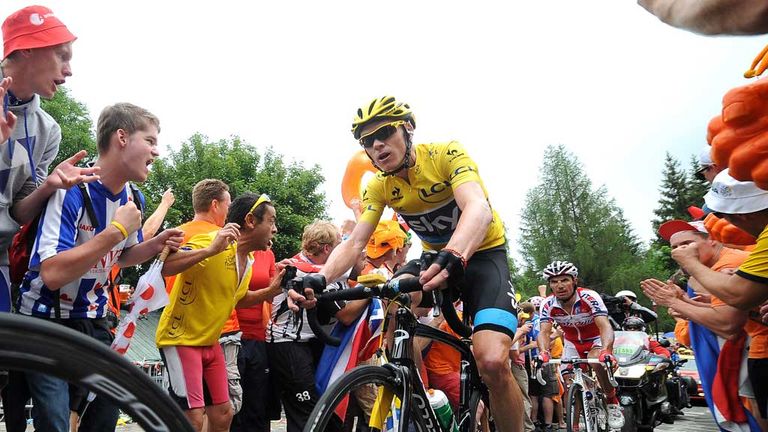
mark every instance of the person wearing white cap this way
{"type": "Point", "coordinates": [708, 169]}
{"type": "Point", "coordinates": [726, 321]}
{"type": "Point", "coordinates": [746, 206]}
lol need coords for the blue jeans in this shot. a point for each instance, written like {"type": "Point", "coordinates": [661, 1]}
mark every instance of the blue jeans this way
{"type": "Point", "coordinates": [53, 398]}
{"type": "Point", "coordinates": [50, 397]}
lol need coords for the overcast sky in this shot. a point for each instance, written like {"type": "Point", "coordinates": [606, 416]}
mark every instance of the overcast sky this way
{"type": "Point", "coordinates": [603, 77]}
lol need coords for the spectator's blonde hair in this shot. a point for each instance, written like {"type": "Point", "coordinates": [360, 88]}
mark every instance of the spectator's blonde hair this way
{"type": "Point", "coordinates": [318, 234]}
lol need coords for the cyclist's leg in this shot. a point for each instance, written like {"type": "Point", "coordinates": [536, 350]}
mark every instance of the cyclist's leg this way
{"type": "Point", "coordinates": [602, 375]}
{"type": "Point", "coordinates": [490, 298]}
{"type": "Point", "coordinates": [615, 416]}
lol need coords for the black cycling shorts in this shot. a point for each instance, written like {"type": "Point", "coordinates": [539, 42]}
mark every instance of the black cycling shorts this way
{"type": "Point", "coordinates": [487, 291]}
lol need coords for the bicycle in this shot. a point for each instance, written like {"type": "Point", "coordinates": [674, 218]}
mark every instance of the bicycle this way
{"type": "Point", "coordinates": [36, 345]}
{"type": "Point", "coordinates": [594, 415]}
{"type": "Point", "coordinates": [398, 377]}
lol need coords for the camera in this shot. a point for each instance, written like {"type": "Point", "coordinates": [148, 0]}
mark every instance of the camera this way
{"type": "Point", "coordinates": [289, 280]}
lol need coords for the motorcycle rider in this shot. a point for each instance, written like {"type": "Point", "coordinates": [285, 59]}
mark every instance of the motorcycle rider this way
{"type": "Point", "coordinates": [633, 323]}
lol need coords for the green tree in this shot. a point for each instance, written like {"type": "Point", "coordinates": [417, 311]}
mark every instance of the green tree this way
{"type": "Point", "coordinates": [77, 132]}
{"type": "Point", "coordinates": [292, 187]}
{"type": "Point", "coordinates": [675, 196]}
{"type": "Point", "coordinates": [564, 218]}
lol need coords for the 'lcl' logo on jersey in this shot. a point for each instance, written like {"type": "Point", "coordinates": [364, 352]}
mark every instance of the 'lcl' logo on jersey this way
{"type": "Point", "coordinates": [427, 194]}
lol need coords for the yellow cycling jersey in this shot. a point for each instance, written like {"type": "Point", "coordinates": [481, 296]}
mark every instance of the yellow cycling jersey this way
{"type": "Point", "coordinates": [426, 202]}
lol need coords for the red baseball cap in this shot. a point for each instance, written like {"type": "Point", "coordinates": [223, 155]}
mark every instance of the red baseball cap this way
{"type": "Point", "coordinates": [669, 228]}
{"type": "Point", "coordinates": [33, 27]}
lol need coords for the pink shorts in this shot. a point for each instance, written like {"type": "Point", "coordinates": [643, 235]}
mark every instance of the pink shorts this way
{"type": "Point", "coordinates": [197, 375]}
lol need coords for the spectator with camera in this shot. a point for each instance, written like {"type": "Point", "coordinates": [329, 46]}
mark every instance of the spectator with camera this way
{"type": "Point", "coordinates": [292, 347]}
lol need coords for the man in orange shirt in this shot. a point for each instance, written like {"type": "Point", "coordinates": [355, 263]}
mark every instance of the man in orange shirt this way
{"type": "Point", "coordinates": [210, 201]}
{"type": "Point", "coordinates": [724, 320]}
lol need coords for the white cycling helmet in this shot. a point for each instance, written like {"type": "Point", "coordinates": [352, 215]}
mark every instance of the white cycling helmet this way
{"type": "Point", "coordinates": [559, 268]}
{"type": "Point", "coordinates": [627, 293]}
{"type": "Point", "coordinates": [536, 302]}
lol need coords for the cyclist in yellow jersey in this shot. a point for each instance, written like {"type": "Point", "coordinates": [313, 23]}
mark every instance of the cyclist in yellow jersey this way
{"type": "Point", "coordinates": [437, 190]}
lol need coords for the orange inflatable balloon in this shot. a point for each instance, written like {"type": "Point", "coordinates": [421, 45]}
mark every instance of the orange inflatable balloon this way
{"type": "Point", "coordinates": [739, 135]}
{"type": "Point", "coordinates": [357, 166]}
{"type": "Point", "coordinates": [725, 232]}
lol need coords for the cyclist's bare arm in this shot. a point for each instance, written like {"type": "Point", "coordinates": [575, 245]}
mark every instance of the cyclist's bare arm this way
{"type": "Point", "coordinates": [606, 332]}
{"type": "Point", "coordinates": [345, 255]}
{"type": "Point", "coordinates": [475, 218]}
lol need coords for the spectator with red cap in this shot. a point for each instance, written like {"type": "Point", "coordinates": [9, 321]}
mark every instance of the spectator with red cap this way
{"type": "Point", "coordinates": [746, 206]}
{"type": "Point", "coordinates": [37, 48]}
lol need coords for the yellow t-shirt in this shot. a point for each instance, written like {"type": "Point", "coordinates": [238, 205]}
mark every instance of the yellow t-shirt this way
{"type": "Point", "coordinates": [426, 200]}
{"type": "Point", "coordinates": [203, 297]}
{"type": "Point", "coordinates": [191, 229]}
{"type": "Point", "coordinates": [755, 268]}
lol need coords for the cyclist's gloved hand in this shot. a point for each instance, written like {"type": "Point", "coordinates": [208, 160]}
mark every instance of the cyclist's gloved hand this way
{"type": "Point", "coordinates": [447, 267]}
{"type": "Point", "coordinates": [316, 281]}
{"type": "Point", "coordinates": [607, 357]}
{"type": "Point", "coordinates": [312, 282]}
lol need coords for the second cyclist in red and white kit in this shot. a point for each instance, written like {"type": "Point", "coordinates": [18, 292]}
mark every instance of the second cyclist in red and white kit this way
{"type": "Point", "coordinates": [582, 315]}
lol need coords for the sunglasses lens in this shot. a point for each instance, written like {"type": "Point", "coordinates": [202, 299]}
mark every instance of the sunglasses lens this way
{"type": "Point", "coordinates": [380, 135]}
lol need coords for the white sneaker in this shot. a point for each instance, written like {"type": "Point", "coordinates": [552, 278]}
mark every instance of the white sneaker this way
{"type": "Point", "coordinates": [615, 417]}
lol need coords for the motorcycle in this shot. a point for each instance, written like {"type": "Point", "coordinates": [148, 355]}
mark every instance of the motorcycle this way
{"type": "Point", "coordinates": [642, 378]}
{"type": "Point", "coordinates": [679, 388]}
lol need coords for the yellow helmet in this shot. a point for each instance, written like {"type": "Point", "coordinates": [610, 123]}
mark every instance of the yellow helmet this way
{"type": "Point", "coordinates": [383, 108]}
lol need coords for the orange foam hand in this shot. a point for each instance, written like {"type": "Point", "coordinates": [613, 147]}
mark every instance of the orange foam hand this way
{"type": "Point", "coordinates": [725, 232]}
{"type": "Point", "coordinates": [739, 135]}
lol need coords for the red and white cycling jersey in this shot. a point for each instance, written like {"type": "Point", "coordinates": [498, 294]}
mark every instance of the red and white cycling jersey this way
{"type": "Point", "coordinates": [578, 324]}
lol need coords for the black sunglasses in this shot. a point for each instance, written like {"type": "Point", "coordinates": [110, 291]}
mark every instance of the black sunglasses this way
{"type": "Point", "coordinates": [381, 134]}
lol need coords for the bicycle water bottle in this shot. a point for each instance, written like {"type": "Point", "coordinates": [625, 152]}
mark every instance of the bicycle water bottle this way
{"type": "Point", "coordinates": [439, 403]}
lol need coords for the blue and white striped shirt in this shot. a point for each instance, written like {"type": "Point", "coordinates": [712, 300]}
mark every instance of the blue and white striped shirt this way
{"type": "Point", "coordinates": [65, 224]}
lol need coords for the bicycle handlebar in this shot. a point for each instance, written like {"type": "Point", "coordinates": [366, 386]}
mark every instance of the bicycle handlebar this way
{"type": "Point", "coordinates": [608, 367]}
{"type": "Point", "coordinates": [389, 290]}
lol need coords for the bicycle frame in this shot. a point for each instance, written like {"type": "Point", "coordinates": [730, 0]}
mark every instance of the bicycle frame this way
{"type": "Point", "coordinates": [402, 364]}
{"type": "Point", "coordinates": [587, 385]}
{"type": "Point", "coordinates": [589, 392]}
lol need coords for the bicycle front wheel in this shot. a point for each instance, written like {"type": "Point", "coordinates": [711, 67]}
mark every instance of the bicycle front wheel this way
{"type": "Point", "coordinates": [574, 410]}
{"type": "Point", "coordinates": [33, 344]}
{"type": "Point", "coordinates": [357, 389]}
